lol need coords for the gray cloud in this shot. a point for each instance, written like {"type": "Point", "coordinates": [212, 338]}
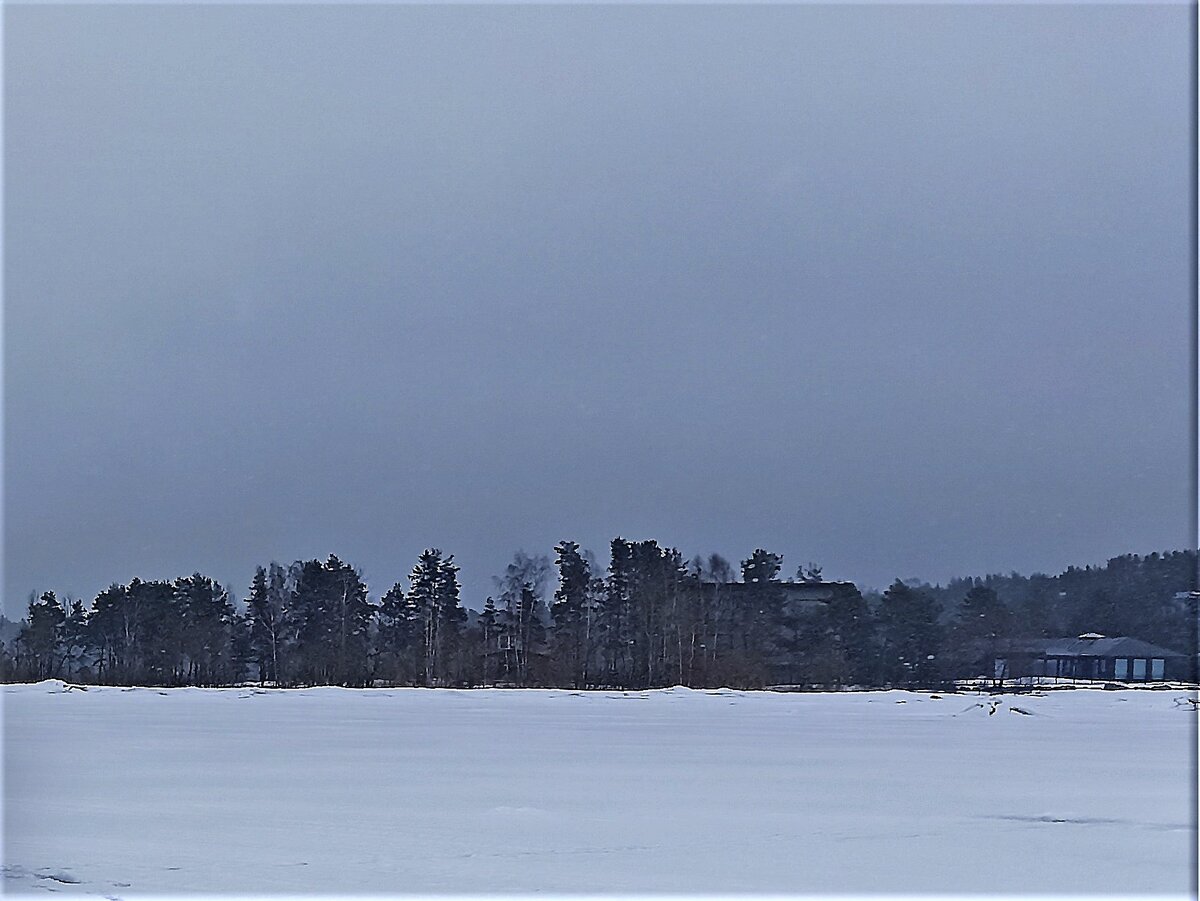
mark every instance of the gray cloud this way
{"type": "Point", "coordinates": [903, 290]}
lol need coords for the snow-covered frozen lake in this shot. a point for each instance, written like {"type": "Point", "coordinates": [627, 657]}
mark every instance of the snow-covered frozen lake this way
{"type": "Point", "coordinates": [133, 791]}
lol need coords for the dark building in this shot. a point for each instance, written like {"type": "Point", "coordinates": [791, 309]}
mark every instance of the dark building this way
{"type": "Point", "coordinates": [801, 602]}
{"type": "Point", "coordinates": [798, 597]}
{"type": "Point", "coordinates": [1090, 656]}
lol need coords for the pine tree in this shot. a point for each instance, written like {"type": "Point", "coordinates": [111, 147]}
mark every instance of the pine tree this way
{"type": "Point", "coordinates": [262, 636]}
{"type": "Point", "coordinates": [314, 624]}
{"type": "Point", "coordinates": [615, 620]}
{"type": "Point", "coordinates": [572, 612]}
{"type": "Point", "coordinates": [759, 618]}
{"type": "Point", "coordinates": [423, 595]}
{"type": "Point", "coordinates": [153, 633]}
{"type": "Point", "coordinates": [277, 615]}
{"type": "Point", "coordinates": [75, 641]}
{"type": "Point", "coordinates": [851, 630]}
{"type": "Point", "coordinates": [40, 642]}
{"type": "Point", "coordinates": [399, 630]}
{"type": "Point", "coordinates": [354, 616]}
{"type": "Point", "coordinates": [452, 616]}
{"type": "Point", "coordinates": [1103, 613]}
{"type": "Point", "coordinates": [105, 625]}
{"type": "Point", "coordinates": [434, 597]}
{"type": "Point", "coordinates": [207, 619]}
{"type": "Point", "coordinates": [981, 623]}
{"type": "Point", "coordinates": [279, 625]}
{"type": "Point", "coordinates": [658, 580]}
{"type": "Point", "coordinates": [489, 640]}
{"type": "Point", "coordinates": [334, 623]}
{"type": "Point", "coordinates": [241, 652]}
{"type": "Point", "coordinates": [648, 595]}
{"type": "Point", "coordinates": [836, 644]}
{"type": "Point", "coordinates": [910, 636]}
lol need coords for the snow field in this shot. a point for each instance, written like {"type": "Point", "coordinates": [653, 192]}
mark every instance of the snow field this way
{"type": "Point", "coordinates": [135, 792]}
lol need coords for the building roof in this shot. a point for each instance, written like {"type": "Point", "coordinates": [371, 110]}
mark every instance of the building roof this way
{"type": "Point", "coordinates": [816, 591]}
{"type": "Point", "coordinates": [1089, 647]}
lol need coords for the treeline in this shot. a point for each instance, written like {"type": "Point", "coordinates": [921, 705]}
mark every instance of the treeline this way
{"type": "Point", "coordinates": [1130, 595]}
{"type": "Point", "coordinates": [649, 619]}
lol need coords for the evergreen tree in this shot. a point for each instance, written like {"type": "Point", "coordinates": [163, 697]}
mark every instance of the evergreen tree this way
{"type": "Point", "coordinates": [980, 625]}
{"type": "Point", "coordinates": [1103, 613]}
{"type": "Point", "coordinates": [423, 594]}
{"type": "Point", "coordinates": [453, 616]}
{"type": "Point", "coordinates": [833, 645]}
{"type": "Point", "coordinates": [434, 596]}
{"type": "Point", "coordinates": [489, 641]}
{"type": "Point", "coordinates": [399, 630]}
{"type": "Point", "coordinates": [136, 632]}
{"type": "Point", "coordinates": [810, 573]}
{"type": "Point", "coordinates": [40, 642]}
{"type": "Point", "coordinates": [615, 617]}
{"type": "Point", "coordinates": [334, 624]}
{"type": "Point", "coordinates": [108, 628]}
{"type": "Point", "coordinates": [683, 620]}
{"type": "Point", "coordinates": [75, 642]}
{"type": "Point", "coordinates": [354, 617]}
{"type": "Point", "coordinates": [164, 639]}
{"type": "Point", "coordinates": [262, 635]}
{"type": "Point", "coordinates": [279, 625]}
{"type": "Point", "coordinates": [657, 581]}
{"type": "Point", "coordinates": [851, 629]}
{"type": "Point", "coordinates": [910, 636]}
{"type": "Point", "coordinates": [241, 653]}
{"type": "Point", "coordinates": [760, 618]}
{"type": "Point", "coordinates": [208, 620]}
{"type": "Point", "coordinates": [572, 612]}
{"type": "Point", "coordinates": [648, 594]}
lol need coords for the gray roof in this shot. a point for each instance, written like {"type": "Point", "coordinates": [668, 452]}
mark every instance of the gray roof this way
{"type": "Point", "coordinates": [1090, 647]}
{"type": "Point", "coordinates": [815, 591]}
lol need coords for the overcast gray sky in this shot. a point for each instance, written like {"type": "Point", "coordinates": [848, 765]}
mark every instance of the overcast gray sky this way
{"type": "Point", "coordinates": [900, 290]}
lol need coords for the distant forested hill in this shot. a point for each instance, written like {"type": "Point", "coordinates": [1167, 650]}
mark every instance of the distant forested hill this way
{"type": "Point", "coordinates": [1129, 595]}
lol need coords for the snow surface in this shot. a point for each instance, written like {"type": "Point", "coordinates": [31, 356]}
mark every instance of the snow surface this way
{"type": "Point", "coordinates": [127, 792]}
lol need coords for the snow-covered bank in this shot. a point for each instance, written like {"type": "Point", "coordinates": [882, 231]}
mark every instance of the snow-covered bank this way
{"type": "Point", "coordinates": [134, 791]}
